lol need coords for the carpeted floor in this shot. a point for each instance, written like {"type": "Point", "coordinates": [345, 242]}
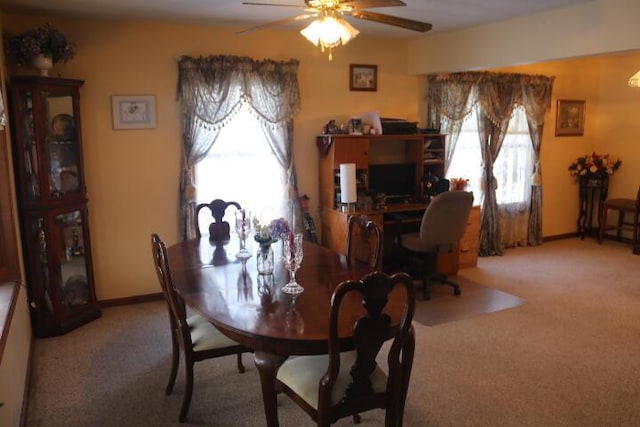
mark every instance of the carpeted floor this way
{"type": "Point", "coordinates": [568, 357]}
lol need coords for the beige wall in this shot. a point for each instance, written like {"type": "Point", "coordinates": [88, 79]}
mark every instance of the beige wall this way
{"type": "Point", "coordinates": [611, 126]}
{"type": "Point", "coordinates": [587, 29]}
{"type": "Point", "coordinates": [132, 176]}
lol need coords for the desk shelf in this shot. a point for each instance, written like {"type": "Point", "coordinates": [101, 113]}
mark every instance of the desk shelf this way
{"type": "Point", "coordinates": [427, 151]}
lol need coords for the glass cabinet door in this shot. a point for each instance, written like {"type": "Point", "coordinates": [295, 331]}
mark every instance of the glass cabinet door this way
{"type": "Point", "coordinates": [42, 294]}
{"type": "Point", "coordinates": [60, 275]}
{"type": "Point", "coordinates": [29, 147]}
{"type": "Point", "coordinates": [54, 170]}
{"type": "Point", "coordinates": [71, 259]}
{"type": "Point", "coordinates": [61, 145]}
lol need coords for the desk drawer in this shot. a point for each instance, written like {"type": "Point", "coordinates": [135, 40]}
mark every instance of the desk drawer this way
{"type": "Point", "coordinates": [470, 242]}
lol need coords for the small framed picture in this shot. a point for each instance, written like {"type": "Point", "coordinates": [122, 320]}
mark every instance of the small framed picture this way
{"type": "Point", "coordinates": [133, 111]}
{"type": "Point", "coordinates": [363, 77]}
{"type": "Point", "coordinates": [570, 117]}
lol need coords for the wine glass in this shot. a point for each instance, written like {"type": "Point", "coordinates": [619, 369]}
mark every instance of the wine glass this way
{"type": "Point", "coordinates": [292, 257]}
{"type": "Point", "coordinates": [243, 226]}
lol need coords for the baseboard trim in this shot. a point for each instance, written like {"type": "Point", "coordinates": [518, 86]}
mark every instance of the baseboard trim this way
{"type": "Point", "coordinates": [623, 239]}
{"type": "Point", "coordinates": [559, 237]}
{"type": "Point", "coordinates": [136, 299]}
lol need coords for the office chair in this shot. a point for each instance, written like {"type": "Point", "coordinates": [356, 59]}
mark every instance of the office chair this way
{"type": "Point", "coordinates": [219, 230]}
{"type": "Point", "coordinates": [198, 338]}
{"type": "Point", "coordinates": [442, 226]}
{"type": "Point", "coordinates": [342, 384]}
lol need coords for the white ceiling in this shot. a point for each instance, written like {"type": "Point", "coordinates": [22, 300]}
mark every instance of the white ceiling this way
{"type": "Point", "coordinates": [445, 15]}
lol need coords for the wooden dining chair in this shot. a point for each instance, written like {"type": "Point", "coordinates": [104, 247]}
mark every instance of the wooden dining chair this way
{"type": "Point", "coordinates": [219, 230]}
{"type": "Point", "coordinates": [628, 219]}
{"type": "Point", "coordinates": [364, 240]}
{"type": "Point", "coordinates": [307, 220]}
{"type": "Point", "coordinates": [198, 339]}
{"type": "Point", "coordinates": [341, 384]}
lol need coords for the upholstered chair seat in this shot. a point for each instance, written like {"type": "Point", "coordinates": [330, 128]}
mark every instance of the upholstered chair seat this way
{"type": "Point", "coordinates": [301, 376]}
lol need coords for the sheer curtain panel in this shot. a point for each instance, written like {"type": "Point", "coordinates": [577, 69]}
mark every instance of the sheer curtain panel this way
{"type": "Point", "coordinates": [210, 91]}
{"type": "Point", "coordinates": [495, 97]}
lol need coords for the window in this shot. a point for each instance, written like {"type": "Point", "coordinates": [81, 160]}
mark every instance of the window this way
{"type": "Point", "coordinates": [241, 167]}
{"type": "Point", "coordinates": [513, 167]}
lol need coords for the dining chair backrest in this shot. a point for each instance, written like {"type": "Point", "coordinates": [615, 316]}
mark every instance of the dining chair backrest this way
{"type": "Point", "coordinates": [219, 230]}
{"type": "Point", "coordinates": [364, 240]}
{"type": "Point", "coordinates": [177, 310]}
{"type": "Point", "coordinates": [370, 333]}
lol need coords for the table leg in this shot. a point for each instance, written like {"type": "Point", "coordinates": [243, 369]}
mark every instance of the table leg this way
{"type": "Point", "coordinates": [268, 365]}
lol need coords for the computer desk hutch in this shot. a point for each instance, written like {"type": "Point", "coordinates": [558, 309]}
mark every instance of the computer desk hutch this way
{"type": "Point", "coordinates": [426, 151]}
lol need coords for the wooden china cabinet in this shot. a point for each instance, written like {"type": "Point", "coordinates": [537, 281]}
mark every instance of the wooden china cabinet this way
{"type": "Point", "coordinates": [52, 200]}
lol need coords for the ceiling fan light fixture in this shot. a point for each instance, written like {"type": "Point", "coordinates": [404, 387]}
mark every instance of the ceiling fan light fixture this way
{"type": "Point", "coordinates": [328, 32]}
{"type": "Point", "coordinates": [634, 81]}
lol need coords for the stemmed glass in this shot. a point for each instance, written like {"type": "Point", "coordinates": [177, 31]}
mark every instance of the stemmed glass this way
{"type": "Point", "coordinates": [243, 226]}
{"type": "Point", "coordinates": [292, 257]}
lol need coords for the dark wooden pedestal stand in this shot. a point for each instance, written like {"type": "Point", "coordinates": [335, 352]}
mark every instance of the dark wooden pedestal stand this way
{"type": "Point", "coordinates": [592, 191]}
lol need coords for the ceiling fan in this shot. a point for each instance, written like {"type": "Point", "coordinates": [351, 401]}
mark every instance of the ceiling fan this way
{"type": "Point", "coordinates": [329, 28]}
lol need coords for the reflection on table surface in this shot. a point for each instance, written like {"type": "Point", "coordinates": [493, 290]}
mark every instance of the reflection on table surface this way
{"type": "Point", "coordinates": [245, 304]}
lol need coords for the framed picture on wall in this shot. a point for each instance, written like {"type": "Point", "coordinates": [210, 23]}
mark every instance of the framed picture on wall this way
{"type": "Point", "coordinates": [133, 111]}
{"type": "Point", "coordinates": [363, 77]}
{"type": "Point", "coordinates": [570, 117]}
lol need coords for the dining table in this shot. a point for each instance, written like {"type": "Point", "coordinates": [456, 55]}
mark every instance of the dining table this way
{"type": "Point", "coordinates": [251, 309]}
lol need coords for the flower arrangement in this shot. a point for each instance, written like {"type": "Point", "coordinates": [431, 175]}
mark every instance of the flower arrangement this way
{"type": "Point", "coordinates": [458, 184]}
{"type": "Point", "coordinates": [45, 40]}
{"type": "Point", "coordinates": [267, 234]}
{"type": "Point", "coordinates": [594, 166]}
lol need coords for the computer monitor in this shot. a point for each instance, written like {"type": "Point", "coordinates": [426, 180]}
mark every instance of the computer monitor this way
{"type": "Point", "coordinates": [396, 180]}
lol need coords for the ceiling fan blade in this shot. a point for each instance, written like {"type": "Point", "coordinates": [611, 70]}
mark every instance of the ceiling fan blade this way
{"type": "Point", "coordinates": [409, 24]}
{"type": "Point", "coordinates": [251, 3]}
{"type": "Point", "coordinates": [280, 22]}
{"type": "Point", "coordinates": [366, 4]}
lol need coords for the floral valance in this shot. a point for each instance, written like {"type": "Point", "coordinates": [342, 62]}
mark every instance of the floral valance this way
{"type": "Point", "coordinates": [454, 95]}
{"type": "Point", "coordinates": [213, 88]}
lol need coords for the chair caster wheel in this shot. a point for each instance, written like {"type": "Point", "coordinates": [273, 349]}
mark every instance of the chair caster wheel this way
{"type": "Point", "coordinates": [457, 291]}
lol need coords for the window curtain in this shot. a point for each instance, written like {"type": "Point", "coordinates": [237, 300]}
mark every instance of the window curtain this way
{"type": "Point", "coordinates": [536, 100]}
{"type": "Point", "coordinates": [452, 99]}
{"type": "Point", "coordinates": [496, 101]}
{"type": "Point", "coordinates": [495, 96]}
{"type": "Point", "coordinates": [210, 91]}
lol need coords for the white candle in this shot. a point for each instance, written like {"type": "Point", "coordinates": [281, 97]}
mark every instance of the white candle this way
{"type": "Point", "coordinates": [348, 190]}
